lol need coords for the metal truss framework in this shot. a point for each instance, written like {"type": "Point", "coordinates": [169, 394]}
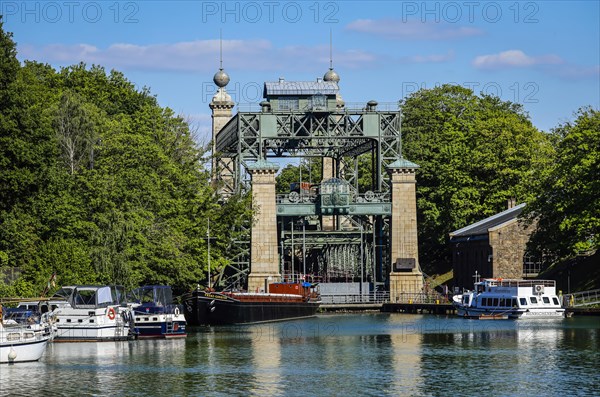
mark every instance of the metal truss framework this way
{"type": "Point", "coordinates": [341, 135]}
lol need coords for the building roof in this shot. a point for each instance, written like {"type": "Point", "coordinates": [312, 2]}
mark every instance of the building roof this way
{"type": "Point", "coordinates": [298, 88]}
{"type": "Point", "coordinates": [402, 163]}
{"type": "Point", "coordinates": [482, 227]}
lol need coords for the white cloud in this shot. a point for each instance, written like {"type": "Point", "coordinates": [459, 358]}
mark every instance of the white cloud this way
{"type": "Point", "coordinates": [514, 59]}
{"type": "Point", "coordinates": [201, 56]}
{"type": "Point", "coordinates": [412, 29]}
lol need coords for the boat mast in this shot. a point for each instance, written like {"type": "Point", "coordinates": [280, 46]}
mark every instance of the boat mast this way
{"type": "Point", "coordinates": [208, 249]}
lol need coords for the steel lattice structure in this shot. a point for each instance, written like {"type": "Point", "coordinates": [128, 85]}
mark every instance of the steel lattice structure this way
{"type": "Point", "coordinates": [338, 134]}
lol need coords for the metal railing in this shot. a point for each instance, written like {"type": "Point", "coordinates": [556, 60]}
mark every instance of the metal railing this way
{"type": "Point", "coordinates": [432, 298]}
{"type": "Point", "coordinates": [585, 298]}
{"type": "Point", "coordinates": [348, 299]}
{"type": "Point", "coordinates": [383, 297]}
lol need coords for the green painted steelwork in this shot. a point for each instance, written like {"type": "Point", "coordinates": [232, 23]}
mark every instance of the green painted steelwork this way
{"type": "Point", "coordinates": [316, 131]}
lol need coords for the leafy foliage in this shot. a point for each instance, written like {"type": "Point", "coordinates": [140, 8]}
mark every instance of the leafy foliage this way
{"type": "Point", "coordinates": [475, 153]}
{"type": "Point", "coordinates": [568, 206]}
{"type": "Point", "coordinates": [99, 184]}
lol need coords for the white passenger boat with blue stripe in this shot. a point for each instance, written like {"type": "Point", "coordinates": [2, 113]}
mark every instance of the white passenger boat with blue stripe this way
{"type": "Point", "coordinates": [510, 298]}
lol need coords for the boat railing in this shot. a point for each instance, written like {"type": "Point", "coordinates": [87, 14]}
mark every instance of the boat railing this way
{"type": "Point", "coordinates": [499, 282]}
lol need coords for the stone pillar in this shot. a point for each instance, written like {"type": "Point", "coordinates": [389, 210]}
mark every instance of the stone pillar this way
{"type": "Point", "coordinates": [327, 172]}
{"type": "Point", "coordinates": [264, 259]}
{"type": "Point", "coordinates": [406, 276]}
{"type": "Point", "coordinates": [221, 106]}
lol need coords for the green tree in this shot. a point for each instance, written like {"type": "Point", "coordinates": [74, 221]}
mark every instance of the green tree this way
{"type": "Point", "coordinates": [475, 153]}
{"type": "Point", "coordinates": [100, 184]}
{"type": "Point", "coordinates": [9, 65]}
{"type": "Point", "coordinates": [568, 206]}
{"type": "Point", "coordinates": [310, 171]}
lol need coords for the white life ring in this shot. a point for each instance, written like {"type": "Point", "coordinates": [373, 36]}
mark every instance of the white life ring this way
{"type": "Point", "coordinates": [176, 311]}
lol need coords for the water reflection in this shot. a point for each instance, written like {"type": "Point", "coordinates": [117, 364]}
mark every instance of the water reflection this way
{"type": "Point", "coordinates": [366, 354]}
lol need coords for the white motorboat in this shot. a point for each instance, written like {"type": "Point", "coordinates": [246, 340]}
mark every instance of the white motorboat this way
{"type": "Point", "coordinates": [20, 343]}
{"type": "Point", "coordinates": [92, 313]}
{"type": "Point", "coordinates": [510, 298]}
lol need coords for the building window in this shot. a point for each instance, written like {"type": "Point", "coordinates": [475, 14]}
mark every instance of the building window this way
{"type": "Point", "coordinates": [532, 265]}
{"type": "Point", "coordinates": [318, 102]}
{"type": "Point", "coordinates": [288, 103]}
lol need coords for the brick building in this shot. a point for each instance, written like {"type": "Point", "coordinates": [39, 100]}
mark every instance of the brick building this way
{"type": "Point", "coordinates": [494, 247]}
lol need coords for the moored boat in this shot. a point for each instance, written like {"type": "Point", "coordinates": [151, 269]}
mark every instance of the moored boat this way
{"type": "Point", "coordinates": [284, 301]}
{"type": "Point", "coordinates": [510, 298]}
{"type": "Point", "coordinates": [92, 313]}
{"type": "Point", "coordinates": [21, 343]}
{"type": "Point", "coordinates": [29, 314]}
{"type": "Point", "coordinates": [155, 314]}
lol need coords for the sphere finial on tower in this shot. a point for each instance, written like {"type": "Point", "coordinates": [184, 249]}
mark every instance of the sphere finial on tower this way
{"type": "Point", "coordinates": [331, 74]}
{"type": "Point", "coordinates": [221, 78]}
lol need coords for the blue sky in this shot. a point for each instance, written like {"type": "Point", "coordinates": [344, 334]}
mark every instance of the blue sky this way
{"type": "Point", "coordinates": [543, 54]}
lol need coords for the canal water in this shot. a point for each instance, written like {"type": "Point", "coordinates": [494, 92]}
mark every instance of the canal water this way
{"type": "Point", "coordinates": [330, 355]}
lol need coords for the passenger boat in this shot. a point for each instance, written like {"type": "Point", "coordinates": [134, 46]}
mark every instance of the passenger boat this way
{"type": "Point", "coordinates": [92, 313]}
{"type": "Point", "coordinates": [510, 298]}
{"type": "Point", "coordinates": [283, 301]}
{"type": "Point", "coordinates": [155, 314]}
{"type": "Point", "coordinates": [21, 343]}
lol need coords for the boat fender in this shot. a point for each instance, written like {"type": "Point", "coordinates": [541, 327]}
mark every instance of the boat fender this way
{"type": "Point", "coordinates": [212, 309]}
{"type": "Point", "coordinates": [12, 354]}
{"type": "Point", "coordinates": [211, 303]}
{"type": "Point", "coordinates": [111, 313]}
{"type": "Point", "coordinates": [177, 311]}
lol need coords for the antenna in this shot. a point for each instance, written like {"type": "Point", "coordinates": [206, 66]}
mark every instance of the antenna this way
{"type": "Point", "coordinates": [208, 250]}
{"type": "Point", "coordinates": [330, 50]}
{"type": "Point", "coordinates": [221, 49]}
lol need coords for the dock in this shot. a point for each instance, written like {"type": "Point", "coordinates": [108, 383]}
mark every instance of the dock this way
{"type": "Point", "coordinates": [413, 303]}
{"type": "Point", "coordinates": [419, 308]}
{"type": "Point", "coordinates": [582, 311]}
{"type": "Point", "coordinates": [422, 304]}
{"type": "Point", "coordinates": [350, 307]}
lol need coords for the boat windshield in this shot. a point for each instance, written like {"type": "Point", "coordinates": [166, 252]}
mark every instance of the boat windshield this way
{"type": "Point", "coordinates": [160, 295]}
{"type": "Point", "coordinates": [164, 296]}
{"type": "Point", "coordinates": [64, 293]}
{"type": "Point", "coordinates": [118, 294]}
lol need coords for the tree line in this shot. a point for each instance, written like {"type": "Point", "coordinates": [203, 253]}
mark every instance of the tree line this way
{"type": "Point", "coordinates": [100, 184]}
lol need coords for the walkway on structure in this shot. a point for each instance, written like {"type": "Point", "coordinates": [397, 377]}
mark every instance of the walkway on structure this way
{"type": "Point", "coordinates": [407, 303]}
{"type": "Point", "coordinates": [582, 299]}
